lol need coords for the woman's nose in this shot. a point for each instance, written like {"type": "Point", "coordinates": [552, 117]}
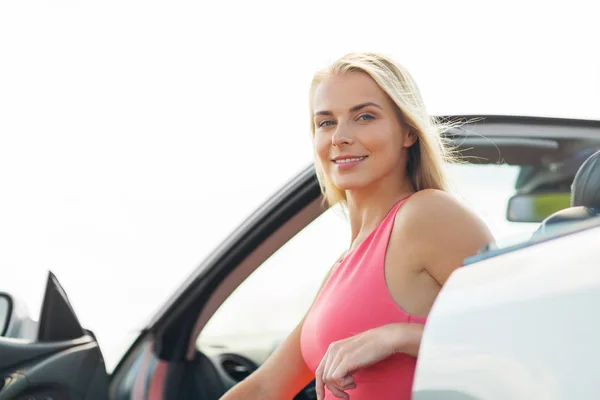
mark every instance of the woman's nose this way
{"type": "Point", "coordinates": [342, 136]}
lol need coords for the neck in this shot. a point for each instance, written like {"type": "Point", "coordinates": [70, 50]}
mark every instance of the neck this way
{"type": "Point", "coordinates": [369, 205]}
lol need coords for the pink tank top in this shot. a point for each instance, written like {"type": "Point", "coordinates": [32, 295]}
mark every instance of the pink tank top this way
{"type": "Point", "coordinates": [355, 299]}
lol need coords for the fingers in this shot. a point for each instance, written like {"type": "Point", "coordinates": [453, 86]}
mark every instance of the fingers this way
{"type": "Point", "coordinates": [337, 382]}
{"type": "Point", "coordinates": [347, 382]}
{"type": "Point", "coordinates": [331, 375]}
{"type": "Point", "coordinates": [331, 365]}
{"type": "Point", "coordinates": [319, 384]}
{"type": "Point", "coordinates": [324, 379]}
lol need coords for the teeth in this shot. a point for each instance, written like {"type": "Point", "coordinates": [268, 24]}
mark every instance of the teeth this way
{"type": "Point", "coordinates": [349, 160]}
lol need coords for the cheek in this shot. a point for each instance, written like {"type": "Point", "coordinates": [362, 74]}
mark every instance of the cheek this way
{"type": "Point", "coordinates": [321, 146]}
{"type": "Point", "coordinates": [379, 141]}
{"type": "Point", "coordinates": [385, 144]}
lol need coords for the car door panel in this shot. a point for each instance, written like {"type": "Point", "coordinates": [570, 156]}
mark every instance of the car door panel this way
{"type": "Point", "coordinates": [517, 326]}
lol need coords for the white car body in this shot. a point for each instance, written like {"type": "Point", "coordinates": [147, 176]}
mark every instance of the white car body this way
{"type": "Point", "coordinates": [519, 325]}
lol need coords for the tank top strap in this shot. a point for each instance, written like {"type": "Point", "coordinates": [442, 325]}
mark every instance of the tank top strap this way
{"type": "Point", "coordinates": [378, 238]}
{"type": "Point", "coordinates": [384, 229]}
{"type": "Point", "coordinates": [381, 236]}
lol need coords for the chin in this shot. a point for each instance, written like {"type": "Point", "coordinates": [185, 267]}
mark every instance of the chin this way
{"type": "Point", "coordinates": [347, 183]}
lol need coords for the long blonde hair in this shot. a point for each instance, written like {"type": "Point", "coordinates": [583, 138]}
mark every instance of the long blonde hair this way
{"type": "Point", "coordinates": [429, 153]}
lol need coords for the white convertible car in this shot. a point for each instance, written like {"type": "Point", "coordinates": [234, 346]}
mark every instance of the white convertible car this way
{"type": "Point", "coordinates": [517, 321]}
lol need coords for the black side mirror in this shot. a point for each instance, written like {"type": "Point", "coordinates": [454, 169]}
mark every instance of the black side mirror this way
{"type": "Point", "coordinates": [14, 318]}
{"type": "Point", "coordinates": [6, 309]}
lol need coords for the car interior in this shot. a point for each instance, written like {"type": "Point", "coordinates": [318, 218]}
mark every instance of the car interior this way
{"type": "Point", "coordinates": [558, 184]}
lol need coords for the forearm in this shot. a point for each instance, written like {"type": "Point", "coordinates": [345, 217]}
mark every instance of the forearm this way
{"type": "Point", "coordinates": [406, 338]}
{"type": "Point", "coordinates": [247, 389]}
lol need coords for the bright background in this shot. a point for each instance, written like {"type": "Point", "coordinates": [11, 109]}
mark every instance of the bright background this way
{"type": "Point", "coordinates": [135, 135]}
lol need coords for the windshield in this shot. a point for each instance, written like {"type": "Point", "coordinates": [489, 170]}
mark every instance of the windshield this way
{"type": "Point", "coordinates": [136, 135]}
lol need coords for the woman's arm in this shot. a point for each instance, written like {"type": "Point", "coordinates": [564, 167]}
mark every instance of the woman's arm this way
{"type": "Point", "coordinates": [347, 356]}
{"type": "Point", "coordinates": [406, 338]}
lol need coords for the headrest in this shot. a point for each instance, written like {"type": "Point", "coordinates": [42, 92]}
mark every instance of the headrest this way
{"type": "Point", "coordinates": [585, 190]}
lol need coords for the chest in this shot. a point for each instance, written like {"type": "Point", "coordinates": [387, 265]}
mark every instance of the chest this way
{"type": "Point", "coordinates": [353, 300]}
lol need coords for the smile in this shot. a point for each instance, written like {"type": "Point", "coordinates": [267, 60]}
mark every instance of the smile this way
{"type": "Point", "coordinates": [349, 160]}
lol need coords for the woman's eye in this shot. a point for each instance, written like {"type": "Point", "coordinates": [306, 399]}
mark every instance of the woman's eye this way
{"type": "Point", "coordinates": [326, 123]}
{"type": "Point", "coordinates": [366, 117]}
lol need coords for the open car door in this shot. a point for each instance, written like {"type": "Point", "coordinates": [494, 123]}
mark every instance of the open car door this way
{"type": "Point", "coordinates": [63, 362]}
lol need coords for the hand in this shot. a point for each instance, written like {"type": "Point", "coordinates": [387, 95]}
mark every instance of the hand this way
{"type": "Point", "coordinates": [345, 357]}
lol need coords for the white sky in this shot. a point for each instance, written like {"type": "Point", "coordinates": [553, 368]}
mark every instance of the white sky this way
{"type": "Point", "coordinates": [135, 135]}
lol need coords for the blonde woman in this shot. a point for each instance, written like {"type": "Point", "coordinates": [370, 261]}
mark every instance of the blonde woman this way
{"type": "Point", "coordinates": [379, 154]}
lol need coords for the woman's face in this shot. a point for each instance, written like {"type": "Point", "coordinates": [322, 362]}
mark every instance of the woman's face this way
{"type": "Point", "coordinates": [359, 139]}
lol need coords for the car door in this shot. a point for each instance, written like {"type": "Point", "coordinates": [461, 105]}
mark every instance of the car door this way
{"type": "Point", "coordinates": [62, 362]}
{"type": "Point", "coordinates": [517, 323]}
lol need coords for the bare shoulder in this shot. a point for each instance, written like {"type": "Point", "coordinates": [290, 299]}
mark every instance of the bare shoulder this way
{"type": "Point", "coordinates": [439, 208]}
{"type": "Point", "coordinates": [442, 230]}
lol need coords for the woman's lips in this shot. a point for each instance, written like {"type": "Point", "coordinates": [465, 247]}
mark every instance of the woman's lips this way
{"type": "Point", "coordinates": [348, 163]}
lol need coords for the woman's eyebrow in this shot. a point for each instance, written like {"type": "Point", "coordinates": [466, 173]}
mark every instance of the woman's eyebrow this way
{"type": "Point", "coordinates": [363, 105]}
{"type": "Point", "coordinates": [353, 109]}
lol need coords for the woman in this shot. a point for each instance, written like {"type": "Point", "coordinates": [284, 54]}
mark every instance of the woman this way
{"type": "Point", "coordinates": [380, 155]}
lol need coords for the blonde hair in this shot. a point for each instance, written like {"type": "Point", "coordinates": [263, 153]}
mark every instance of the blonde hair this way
{"type": "Point", "coordinates": [429, 153]}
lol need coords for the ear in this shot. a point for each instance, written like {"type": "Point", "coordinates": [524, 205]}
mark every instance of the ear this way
{"type": "Point", "coordinates": [410, 136]}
